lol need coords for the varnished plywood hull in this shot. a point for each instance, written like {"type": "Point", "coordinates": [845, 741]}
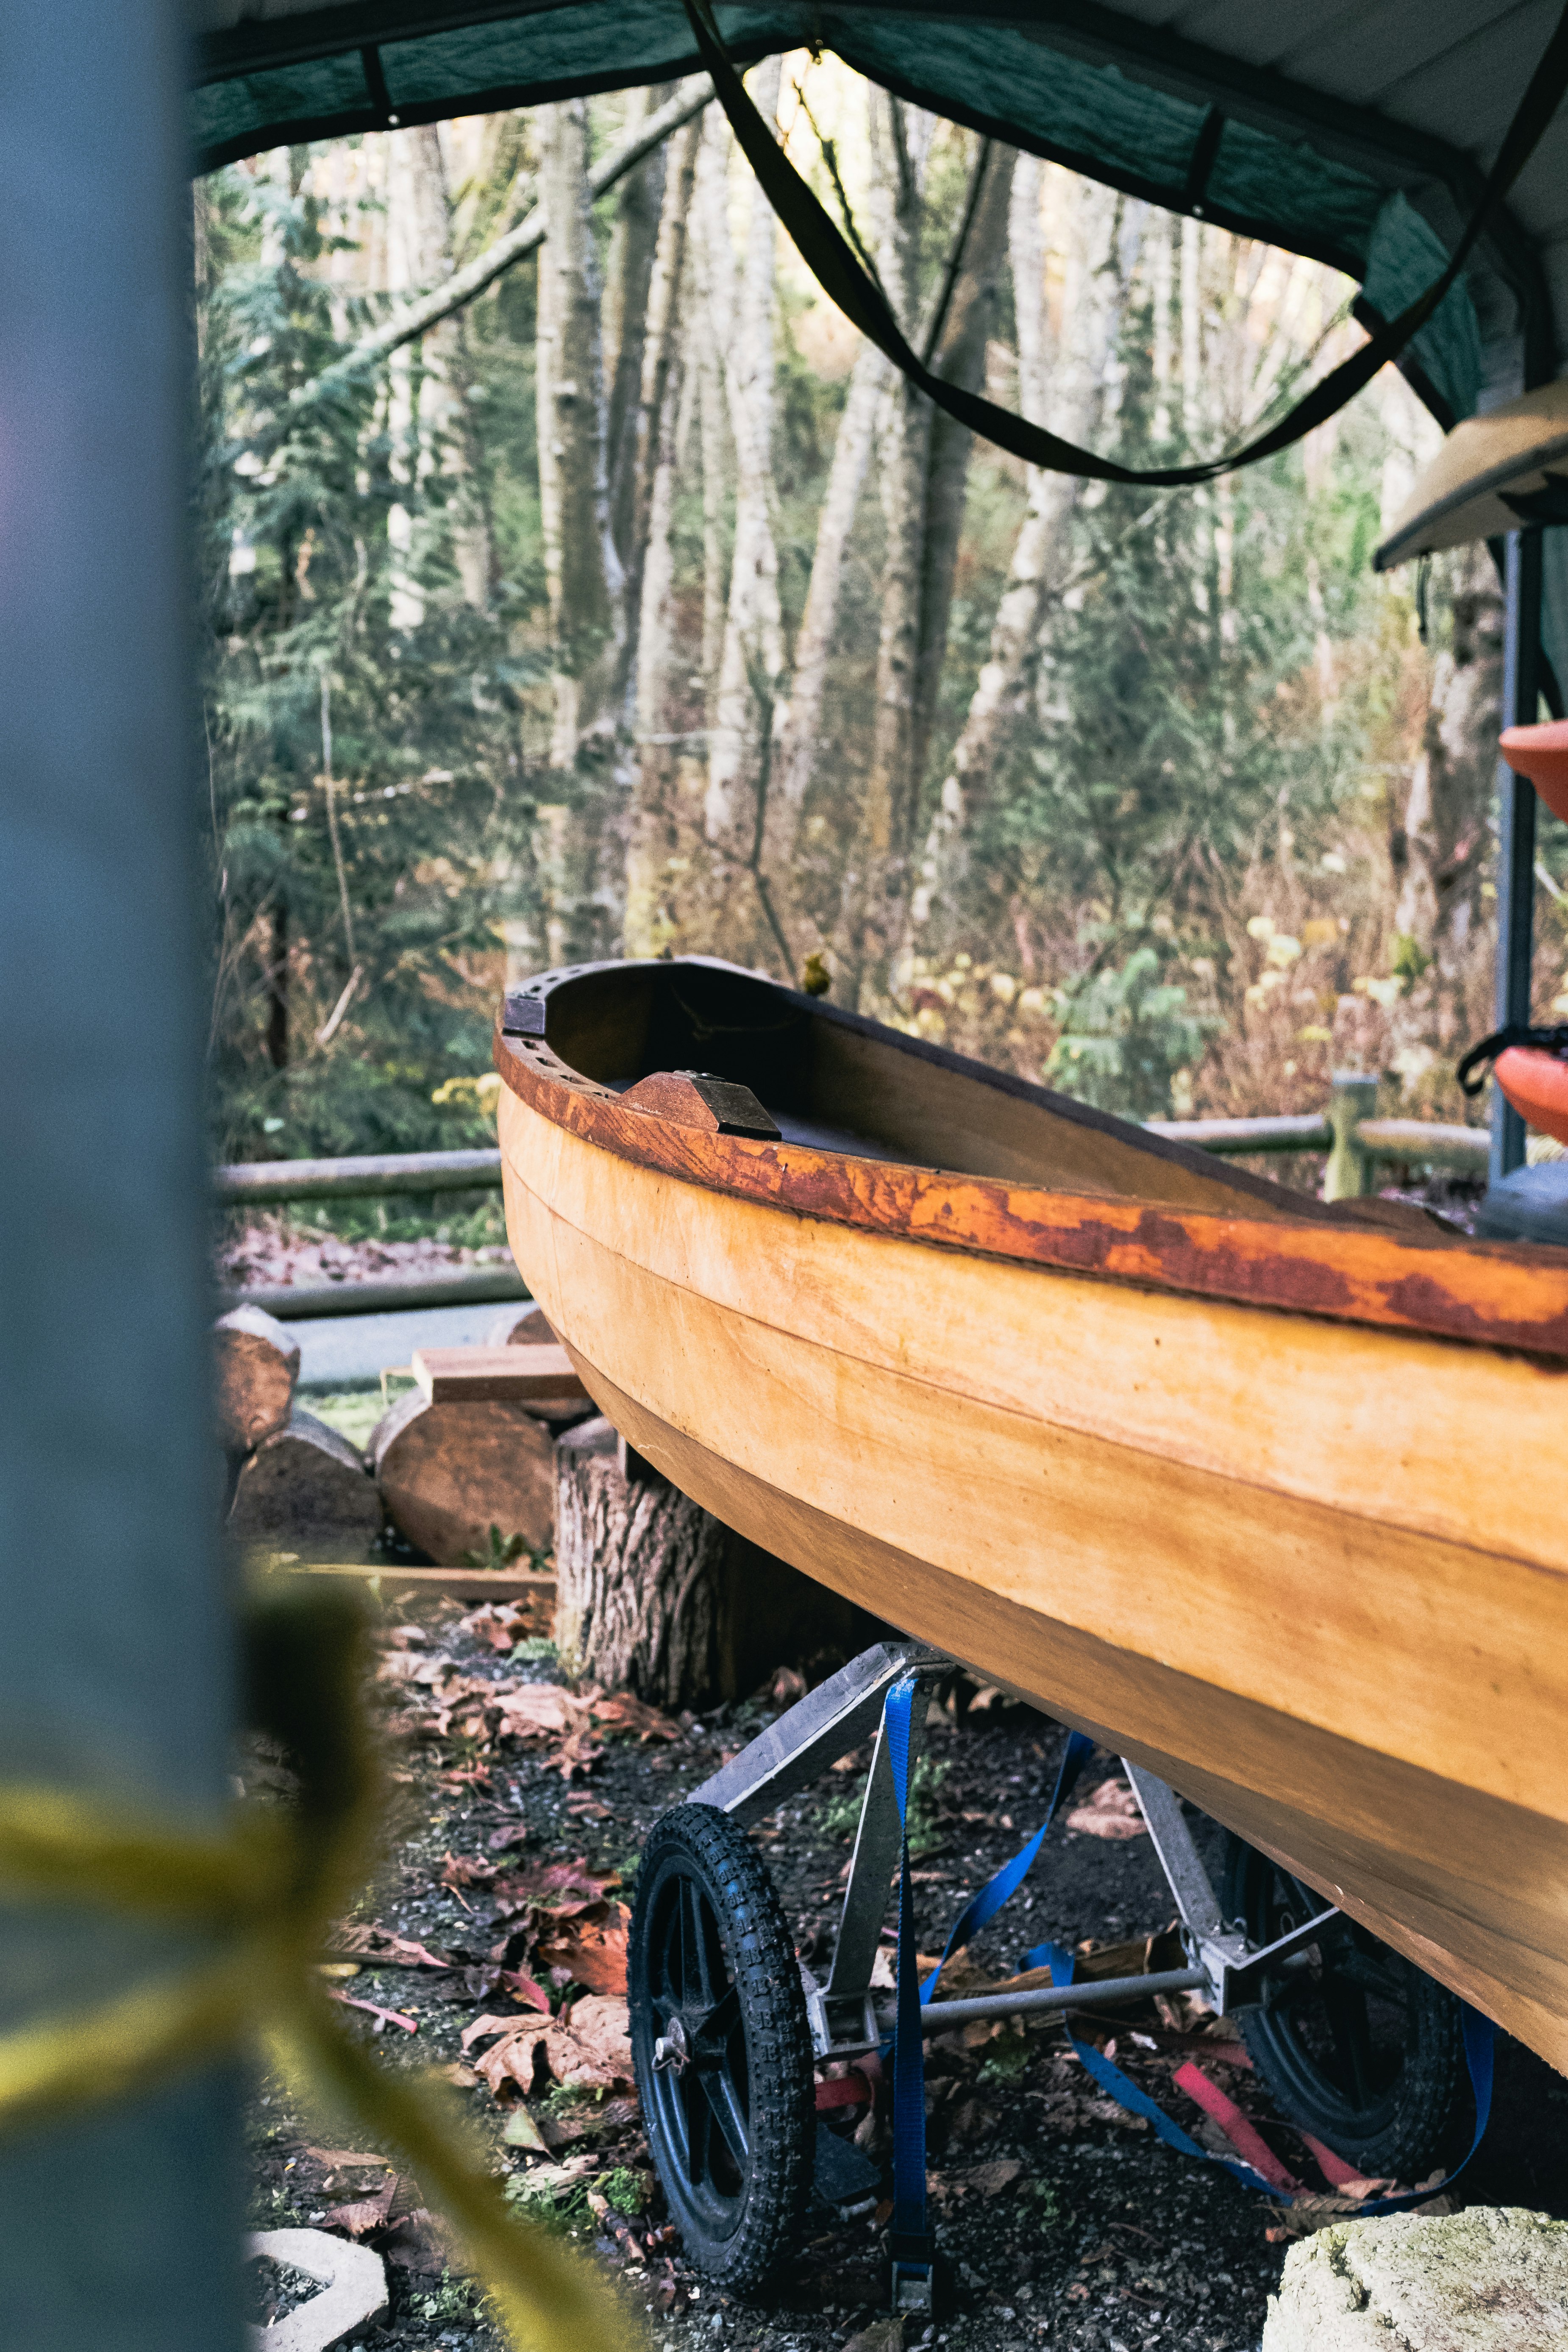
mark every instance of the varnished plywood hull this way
{"type": "Point", "coordinates": [1265, 1554]}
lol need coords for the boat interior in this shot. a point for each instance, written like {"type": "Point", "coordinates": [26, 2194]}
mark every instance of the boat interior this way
{"type": "Point", "coordinates": [836, 1082]}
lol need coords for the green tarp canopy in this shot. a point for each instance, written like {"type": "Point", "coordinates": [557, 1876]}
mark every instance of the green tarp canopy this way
{"type": "Point", "coordinates": [1357, 133]}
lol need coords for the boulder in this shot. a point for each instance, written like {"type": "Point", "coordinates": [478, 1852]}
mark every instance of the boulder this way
{"type": "Point", "coordinates": [256, 1364]}
{"type": "Point", "coordinates": [305, 1489]}
{"type": "Point", "coordinates": [1489, 2280]}
{"type": "Point", "coordinates": [449, 1473]}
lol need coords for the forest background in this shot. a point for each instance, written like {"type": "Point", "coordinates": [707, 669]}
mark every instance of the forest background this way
{"type": "Point", "coordinates": [575, 582]}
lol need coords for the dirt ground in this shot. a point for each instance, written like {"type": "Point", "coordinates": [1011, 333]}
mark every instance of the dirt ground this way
{"type": "Point", "coordinates": [520, 1814]}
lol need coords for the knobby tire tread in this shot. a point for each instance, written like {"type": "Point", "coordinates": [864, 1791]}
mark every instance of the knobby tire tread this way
{"type": "Point", "coordinates": [761, 1955]}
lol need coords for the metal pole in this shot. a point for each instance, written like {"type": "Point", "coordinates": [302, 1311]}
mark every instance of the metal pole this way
{"type": "Point", "coordinates": [114, 1672]}
{"type": "Point", "coordinates": [1516, 827]}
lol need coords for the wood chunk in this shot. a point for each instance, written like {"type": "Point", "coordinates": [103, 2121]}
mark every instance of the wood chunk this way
{"type": "Point", "coordinates": [306, 1489]}
{"type": "Point", "coordinates": [448, 1473]}
{"type": "Point", "coordinates": [697, 1098]}
{"type": "Point", "coordinates": [256, 1365]}
{"type": "Point", "coordinates": [540, 1377]}
{"type": "Point", "coordinates": [654, 1594]}
{"type": "Point", "coordinates": [511, 1329]}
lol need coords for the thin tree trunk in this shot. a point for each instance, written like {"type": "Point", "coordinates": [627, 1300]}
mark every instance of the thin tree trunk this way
{"type": "Point", "coordinates": [581, 565]}
{"type": "Point", "coordinates": [1441, 847]}
{"type": "Point", "coordinates": [660, 388]}
{"type": "Point", "coordinates": [873, 900]}
{"type": "Point", "coordinates": [648, 929]}
{"type": "Point", "coordinates": [628, 274]}
{"type": "Point", "coordinates": [801, 723]}
{"type": "Point", "coordinates": [1001, 690]}
{"type": "Point", "coordinates": [973, 313]}
{"type": "Point", "coordinates": [753, 637]}
{"type": "Point", "coordinates": [712, 333]}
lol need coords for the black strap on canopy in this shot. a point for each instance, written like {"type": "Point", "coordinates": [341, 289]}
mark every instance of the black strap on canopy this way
{"type": "Point", "coordinates": [844, 279]}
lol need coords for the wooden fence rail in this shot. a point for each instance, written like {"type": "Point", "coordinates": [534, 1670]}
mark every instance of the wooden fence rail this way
{"type": "Point", "coordinates": [1355, 1141]}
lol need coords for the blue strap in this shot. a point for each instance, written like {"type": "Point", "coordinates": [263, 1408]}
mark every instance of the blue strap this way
{"type": "Point", "coordinates": [1478, 2039]}
{"type": "Point", "coordinates": [1061, 1963]}
{"type": "Point", "coordinates": [908, 2220]}
{"type": "Point", "coordinates": [1012, 1875]}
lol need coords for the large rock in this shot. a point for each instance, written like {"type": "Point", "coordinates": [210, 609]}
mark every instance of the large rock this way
{"type": "Point", "coordinates": [306, 1490]}
{"type": "Point", "coordinates": [449, 1473]}
{"type": "Point", "coordinates": [256, 1364]}
{"type": "Point", "coordinates": [1489, 2280]}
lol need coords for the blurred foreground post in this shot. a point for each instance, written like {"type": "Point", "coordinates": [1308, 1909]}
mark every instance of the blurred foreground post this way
{"type": "Point", "coordinates": [120, 2224]}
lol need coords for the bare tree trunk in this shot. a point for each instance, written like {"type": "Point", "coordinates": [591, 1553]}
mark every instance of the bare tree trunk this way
{"type": "Point", "coordinates": [974, 311]}
{"type": "Point", "coordinates": [1001, 690]}
{"type": "Point", "coordinates": [1440, 850]}
{"type": "Point", "coordinates": [629, 275]}
{"type": "Point", "coordinates": [802, 717]}
{"type": "Point", "coordinates": [648, 931]}
{"type": "Point", "coordinates": [753, 636]}
{"type": "Point", "coordinates": [581, 565]}
{"type": "Point", "coordinates": [659, 392]}
{"type": "Point", "coordinates": [873, 899]}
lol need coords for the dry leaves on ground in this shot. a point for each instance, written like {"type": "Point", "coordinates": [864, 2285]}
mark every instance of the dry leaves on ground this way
{"type": "Point", "coordinates": [1108, 1811]}
{"type": "Point", "coordinates": [588, 2047]}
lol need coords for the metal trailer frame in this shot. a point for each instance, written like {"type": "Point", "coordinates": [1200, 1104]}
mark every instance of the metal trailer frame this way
{"type": "Point", "coordinates": [840, 1714]}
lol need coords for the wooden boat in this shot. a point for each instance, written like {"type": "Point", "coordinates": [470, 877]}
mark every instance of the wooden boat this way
{"type": "Point", "coordinates": [1261, 1493]}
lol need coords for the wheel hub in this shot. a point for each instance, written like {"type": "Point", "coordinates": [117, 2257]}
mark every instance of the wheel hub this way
{"type": "Point", "coordinates": [672, 2049]}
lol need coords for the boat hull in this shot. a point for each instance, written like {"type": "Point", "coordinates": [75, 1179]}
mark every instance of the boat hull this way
{"type": "Point", "coordinates": [1264, 1553]}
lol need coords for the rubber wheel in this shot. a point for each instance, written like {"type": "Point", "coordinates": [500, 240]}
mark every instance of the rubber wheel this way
{"type": "Point", "coordinates": [722, 2047]}
{"type": "Point", "coordinates": [1358, 2046]}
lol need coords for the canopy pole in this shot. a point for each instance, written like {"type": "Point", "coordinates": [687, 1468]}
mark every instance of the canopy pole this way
{"type": "Point", "coordinates": [122, 2222]}
{"type": "Point", "coordinates": [1516, 827]}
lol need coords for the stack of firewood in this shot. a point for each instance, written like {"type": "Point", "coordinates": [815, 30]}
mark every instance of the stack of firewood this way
{"type": "Point", "coordinates": [448, 1463]}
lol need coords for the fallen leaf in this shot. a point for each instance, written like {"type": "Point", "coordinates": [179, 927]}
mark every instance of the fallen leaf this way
{"type": "Point", "coordinates": [1111, 1811]}
{"type": "Point", "coordinates": [340, 2159]}
{"type": "Point", "coordinates": [602, 2024]}
{"type": "Point", "coordinates": [467, 1870]}
{"type": "Point", "coordinates": [462, 2077]}
{"type": "Point", "coordinates": [366, 2213]}
{"type": "Point", "coordinates": [514, 1833]}
{"type": "Point", "coordinates": [537, 1711]}
{"type": "Point", "coordinates": [520, 2130]}
{"type": "Point", "coordinates": [620, 1711]}
{"type": "Point", "coordinates": [358, 1939]}
{"type": "Point", "coordinates": [593, 1951]}
{"type": "Point", "coordinates": [992, 2179]}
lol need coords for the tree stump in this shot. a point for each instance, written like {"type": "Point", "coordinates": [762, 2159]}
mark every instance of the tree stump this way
{"type": "Point", "coordinates": [655, 1595]}
{"type": "Point", "coordinates": [305, 1489]}
{"type": "Point", "coordinates": [256, 1364]}
{"type": "Point", "coordinates": [449, 1473]}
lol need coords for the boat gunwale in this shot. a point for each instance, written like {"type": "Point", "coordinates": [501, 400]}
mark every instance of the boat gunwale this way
{"type": "Point", "coordinates": [1509, 1296]}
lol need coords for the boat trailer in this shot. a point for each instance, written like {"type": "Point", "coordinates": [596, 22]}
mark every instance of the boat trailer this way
{"type": "Point", "coordinates": [729, 2026]}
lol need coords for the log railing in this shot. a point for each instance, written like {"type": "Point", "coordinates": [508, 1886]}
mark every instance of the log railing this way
{"type": "Point", "coordinates": [1355, 1142]}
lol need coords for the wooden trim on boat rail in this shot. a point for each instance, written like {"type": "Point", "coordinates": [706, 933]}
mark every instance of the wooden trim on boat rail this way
{"type": "Point", "coordinates": [1344, 1267]}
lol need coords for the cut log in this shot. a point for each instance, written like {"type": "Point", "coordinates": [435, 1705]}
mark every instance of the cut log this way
{"type": "Point", "coordinates": [450, 1472]}
{"type": "Point", "coordinates": [256, 1365]}
{"type": "Point", "coordinates": [542, 1378]}
{"type": "Point", "coordinates": [655, 1596]}
{"type": "Point", "coordinates": [527, 1329]}
{"type": "Point", "coordinates": [305, 1489]}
